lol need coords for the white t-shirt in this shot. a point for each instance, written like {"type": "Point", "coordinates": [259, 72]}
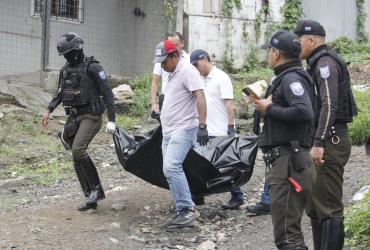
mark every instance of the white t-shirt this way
{"type": "Point", "coordinates": [218, 87]}
{"type": "Point", "coordinates": [179, 110]}
{"type": "Point", "coordinates": [159, 71]}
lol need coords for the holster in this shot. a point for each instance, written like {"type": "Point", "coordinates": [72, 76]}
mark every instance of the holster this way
{"type": "Point", "coordinates": [298, 158]}
{"type": "Point", "coordinates": [68, 133]}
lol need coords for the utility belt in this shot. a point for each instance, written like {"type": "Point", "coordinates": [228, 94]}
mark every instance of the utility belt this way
{"type": "Point", "coordinates": [336, 131]}
{"type": "Point", "coordinates": [270, 156]}
{"type": "Point", "coordinates": [77, 111]}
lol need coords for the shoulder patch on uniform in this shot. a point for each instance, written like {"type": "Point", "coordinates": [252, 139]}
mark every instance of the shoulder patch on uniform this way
{"type": "Point", "coordinates": [325, 72]}
{"type": "Point", "coordinates": [102, 75]}
{"type": "Point", "coordinates": [297, 88]}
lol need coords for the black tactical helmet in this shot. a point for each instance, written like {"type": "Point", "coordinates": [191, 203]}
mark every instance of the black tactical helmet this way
{"type": "Point", "coordinates": [69, 41]}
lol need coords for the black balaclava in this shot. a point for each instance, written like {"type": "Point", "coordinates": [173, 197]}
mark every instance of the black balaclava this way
{"type": "Point", "coordinates": [74, 57]}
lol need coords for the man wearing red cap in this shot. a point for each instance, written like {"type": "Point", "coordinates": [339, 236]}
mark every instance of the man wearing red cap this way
{"type": "Point", "coordinates": [183, 119]}
{"type": "Point", "coordinates": [160, 74]}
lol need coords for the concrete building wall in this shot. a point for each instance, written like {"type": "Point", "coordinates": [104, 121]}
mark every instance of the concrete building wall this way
{"type": "Point", "coordinates": [122, 41]}
{"type": "Point", "coordinates": [20, 38]}
{"type": "Point", "coordinates": [337, 16]}
{"type": "Point", "coordinates": [100, 30]}
{"type": "Point", "coordinates": [207, 27]}
{"type": "Point", "coordinates": [141, 34]}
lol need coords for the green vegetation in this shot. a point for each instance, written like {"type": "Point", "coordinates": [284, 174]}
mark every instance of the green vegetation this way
{"type": "Point", "coordinates": [242, 78]}
{"type": "Point", "coordinates": [351, 51]}
{"type": "Point", "coordinates": [41, 172]}
{"type": "Point", "coordinates": [228, 6]}
{"type": "Point", "coordinates": [169, 8]}
{"type": "Point", "coordinates": [126, 122]}
{"type": "Point", "coordinates": [30, 152]}
{"type": "Point", "coordinates": [360, 128]}
{"type": "Point", "coordinates": [357, 224]}
{"type": "Point", "coordinates": [141, 100]}
{"type": "Point", "coordinates": [362, 36]}
{"type": "Point", "coordinates": [292, 11]}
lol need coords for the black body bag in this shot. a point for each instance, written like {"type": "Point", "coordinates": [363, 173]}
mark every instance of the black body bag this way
{"type": "Point", "coordinates": [224, 164]}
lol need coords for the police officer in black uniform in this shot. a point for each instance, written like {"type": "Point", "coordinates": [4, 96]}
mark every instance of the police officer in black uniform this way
{"type": "Point", "coordinates": [286, 139]}
{"type": "Point", "coordinates": [332, 146]}
{"type": "Point", "coordinates": [82, 90]}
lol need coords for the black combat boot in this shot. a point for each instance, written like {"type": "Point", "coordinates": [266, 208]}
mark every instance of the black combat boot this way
{"type": "Point", "coordinates": [233, 203]}
{"type": "Point", "coordinates": [96, 194]}
{"type": "Point", "coordinates": [82, 179]}
{"type": "Point", "coordinates": [259, 208]}
{"type": "Point", "coordinates": [293, 247]}
{"type": "Point", "coordinates": [96, 191]}
{"type": "Point", "coordinates": [84, 186]}
{"type": "Point", "coordinates": [316, 226]}
{"type": "Point", "coordinates": [288, 247]}
{"type": "Point", "coordinates": [332, 234]}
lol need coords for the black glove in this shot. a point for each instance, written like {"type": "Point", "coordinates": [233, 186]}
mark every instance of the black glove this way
{"type": "Point", "coordinates": [231, 131]}
{"type": "Point", "coordinates": [155, 115]}
{"type": "Point", "coordinates": [202, 136]}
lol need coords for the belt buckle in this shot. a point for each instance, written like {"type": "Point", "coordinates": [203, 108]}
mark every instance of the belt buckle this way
{"type": "Point", "coordinates": [335, 139]}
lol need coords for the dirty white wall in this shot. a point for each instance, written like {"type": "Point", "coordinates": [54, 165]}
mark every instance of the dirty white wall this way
{"type": "Point", "coordinates": [207, 26]}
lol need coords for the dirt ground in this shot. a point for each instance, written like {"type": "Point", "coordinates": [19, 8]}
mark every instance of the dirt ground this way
{"type": "Point", "coordinates": [44, 216]}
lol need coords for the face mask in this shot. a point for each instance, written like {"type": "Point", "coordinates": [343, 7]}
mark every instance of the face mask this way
{"type": "Point", "coordinates": [74, 57]}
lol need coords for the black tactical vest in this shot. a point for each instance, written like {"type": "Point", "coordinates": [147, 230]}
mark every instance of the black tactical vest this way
{"type": "Point", "coordinates": [346, 102]}
{"type": "Point", "coordinates": [279, 133]}
{"type": "Point", "coordinates": [78, 90]}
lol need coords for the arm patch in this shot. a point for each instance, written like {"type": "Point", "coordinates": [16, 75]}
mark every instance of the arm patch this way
{"type": "Point", "coordinates": [325, 72]}
{"type": "Point", "coordinates": [296, 88]}
{"type": "Point", "coordinates": [103, 75]}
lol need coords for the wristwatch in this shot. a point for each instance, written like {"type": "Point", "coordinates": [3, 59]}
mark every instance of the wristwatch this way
{"type": "Point", "coordinates": [202, 125]}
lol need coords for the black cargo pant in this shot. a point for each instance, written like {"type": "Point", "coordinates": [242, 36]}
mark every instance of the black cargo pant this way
{"type": "Point", "coordinates": [328, 189]}
{"type": "Point", "coordinates": [89, 126]}
{"type": "Point", "coordinates": [287, 205]}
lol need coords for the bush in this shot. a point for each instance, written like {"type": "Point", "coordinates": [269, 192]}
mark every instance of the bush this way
{"type": "Point", "coordinates": [360, 128]}
{"type": "Point", "coordinates": [241, 79]}
{"type": "Point", "coordinates": [141, 86]}
{"type": "Point", "coordinates": [357, 224]}
{"type": "Point", "coordinates": [351, 51]}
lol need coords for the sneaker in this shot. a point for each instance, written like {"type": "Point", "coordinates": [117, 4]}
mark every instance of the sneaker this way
{"type": "Point", "coordinates": [184, 218]}
{"type": "Point", "coordinates": [259, 208]}
{"type": "Point", "coordinates": [233, 203]}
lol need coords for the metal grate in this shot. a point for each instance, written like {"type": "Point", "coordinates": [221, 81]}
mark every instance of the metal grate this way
{"type": "Point", "coordinates": [71, 10]}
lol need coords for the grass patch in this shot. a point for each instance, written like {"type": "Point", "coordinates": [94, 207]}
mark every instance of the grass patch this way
{"type": "Point", "coordinates": [141, 85]}
{"type": "Point", "coordinates": [43, 172]}
{"type": "Point", "coordinates": [357, 224]}
{"type": "Point", "coordinates": [126, 122]}
{"type": "Point", "coordinates": [29, 152]}
{"type": "Point", "coordinates": [242, 78]}
{"type": "Point", "coordinates": [359, 129]}
{"type": "Point", "coordinates": [351, 51]}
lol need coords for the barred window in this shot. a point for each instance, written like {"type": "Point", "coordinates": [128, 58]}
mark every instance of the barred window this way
{"type": "Point", "coordinates": [61, 9]}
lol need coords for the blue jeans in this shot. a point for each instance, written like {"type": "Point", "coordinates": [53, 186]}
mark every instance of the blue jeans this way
{"type": "Point", "coordinates": [265, 196]}
{"type": "Point", "coordinates": [236, 193]}
{"type": "Point", "coordinates": [174, 150]}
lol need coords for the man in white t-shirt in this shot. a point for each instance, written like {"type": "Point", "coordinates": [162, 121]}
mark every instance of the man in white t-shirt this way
{"type": "Point", "coordinates": [160, 74]}
{"type": "Point", "coordinates": [220, 108]}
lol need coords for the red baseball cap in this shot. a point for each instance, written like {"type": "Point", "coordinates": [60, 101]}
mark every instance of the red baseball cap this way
{"type": "Point", "coordinates": [162, 50]}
